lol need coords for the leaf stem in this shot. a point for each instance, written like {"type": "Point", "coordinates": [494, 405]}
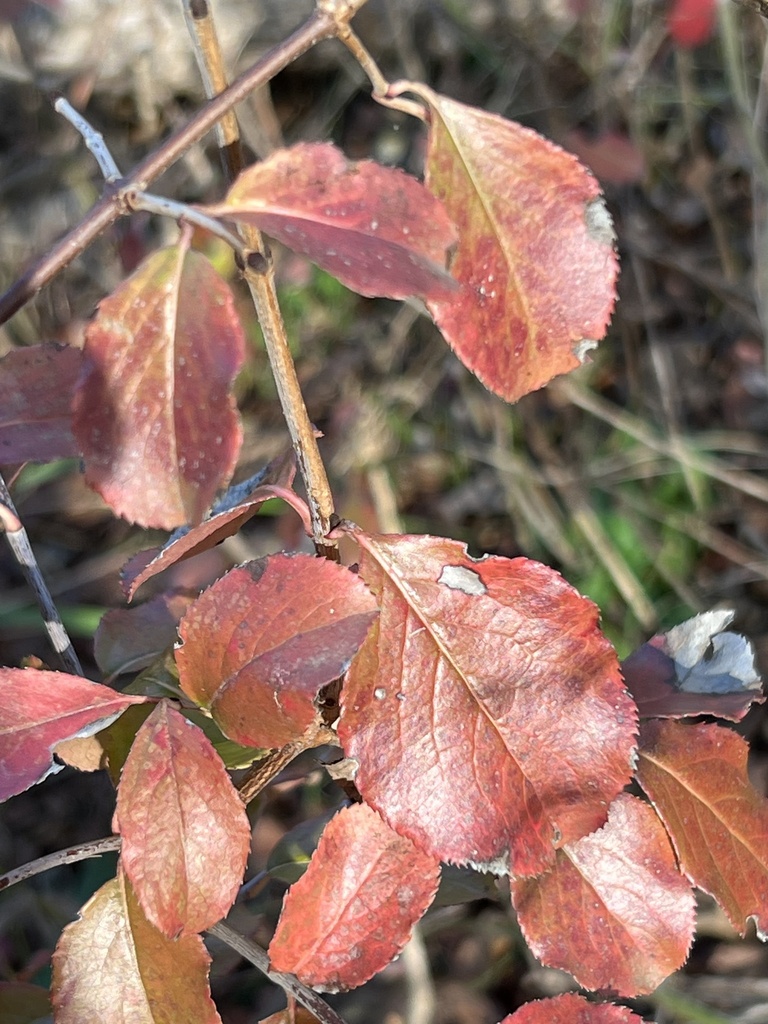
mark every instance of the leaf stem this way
{"type": "Point", "coordinates": [182, 212]}
{"type": "Point", "coordinates": [70, 855]}
{"type": "Point", "coordinates": [18, 541]}
{"type": "Point", "coordinates": [111, 206]}
{"type": "Point", "coordinates": [288, 982]}
{"type": "Point", "coordinates": [258, 271]}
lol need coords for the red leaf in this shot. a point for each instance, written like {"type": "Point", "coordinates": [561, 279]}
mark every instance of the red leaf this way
{"type": "Point", "coordinates": [376, 229]}
{"type": "Point", "coordinates": [113, 965]}
{"type": "Point", "coordinates": [185, 832]}
{"type": "Point", "coordinates": [129, 639]}
{"type": "Point", "coordinates": [571, 1009]}
{"type": "Point", "coordinates": [259, 644]}
{"type": "Point", "coordinates": [615, 911]}
{"type": "Point", "coordinates": [38, 385]}
{"type": "Point", "coordinates": [694, 669]}
{"type": "Point", "coordinates": [354, 908]}
{"type": "Point", "coordinates": [40, 709]}
{"type": "Point", "coordinates": [535, 260]}
{"type": "Point", "coordinates": [696, 776]}
{"type": "Point", "coordinates": [485, 708]}
{"type": "Point", "coordinates": [228, 515]}
{"type": "Point", "coordinates": [691, 22]}
{"type": "Point", "coordinates": [154, 414]}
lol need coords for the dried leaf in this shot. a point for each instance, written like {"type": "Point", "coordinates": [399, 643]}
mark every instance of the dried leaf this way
{"type": "Point", "coordinates": [615, 910]}
{"type": "Point", "coordinates": [259, 644]}
{"type": "Point", "coordinates": [39, 709]}
{"type": "Point", "coordinates": [38, 384]}
{"type": "Point", "coordinates": [376, 229]}
{"type": "Point", "coordinates": [354, 908]}
{"type": "Point", "coordinates": [185, 833]}
{"type": "Point", "coordinates": [696, 776]}
{"type": "Point", "coordinates": [485, 708]}
{"type": "Point", "coordinates": [154, 414]}
{"type": "Point", "coordinates": [113, 965]}
{"type": "Point", "coordinates": [695, 669]}
{"type": "Point", "coordinates": [535, 260]}
{"type": "Point", "coordinates": [228, 515]}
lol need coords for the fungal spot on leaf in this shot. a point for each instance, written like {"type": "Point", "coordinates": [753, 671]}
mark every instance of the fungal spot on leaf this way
{"type": "Point", "coordinates": [379, 693]}
{"type": "Point", "coordinates": [598, 221]}
{"type": "Point", "coordinates": [458, 577]}
{"type": "Point", "coordinates": [582, 347]}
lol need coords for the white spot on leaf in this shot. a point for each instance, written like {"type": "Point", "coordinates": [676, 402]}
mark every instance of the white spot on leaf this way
{"type": "Point", "coordinates": [459, 577]}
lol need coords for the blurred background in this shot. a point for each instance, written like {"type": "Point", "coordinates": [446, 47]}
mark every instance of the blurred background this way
{"type": "Point", "coordinates": [641, 477]}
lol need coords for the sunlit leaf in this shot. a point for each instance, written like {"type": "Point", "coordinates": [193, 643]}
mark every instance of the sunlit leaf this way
{"type": "Point", "coordinates": [354, 908]}
{"type": "Point", "coordinates": [376, 229]}
{"type": "Point", "coordinates": [154, 414]}
{"type": "Point", "coordinates": [695, 669]}
{"type": "Point", "coordinates": [240, 503]}
{"type": "Point", "coordinates": [39, 709]}
{"type": "Point", "coordinates": [696, 776]}
{"type": "Point", "coordinates": [38, 384]}
{"type": "Point", "coordinates": [259, 644]}
{"type": "Point", "coordinates": [486, 708]}
{"type": "Point", "coordinates": [185, 833]}
{"type": "Point", "coordinates": [570, 1008]}
{"type": "Point", "coordinates": [535, 258]}
{"type": "Point", "coordinates": [615, 910]}
{"type": "Point", "coordinates": [113, 965]}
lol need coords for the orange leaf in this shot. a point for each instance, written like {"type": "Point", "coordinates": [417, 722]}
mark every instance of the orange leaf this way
{"type": "Point", "coordinates": [535, 259]}
{"type": "Point", "coordinates": [696, 776]}
{"type": "Point", "coordinates": [259, 644]}
{"type": "Point", "coordinates": [376, 229]}
{"type": "Point", "coordinates": [154, 414]}
{"type": "Point", "coordinates": [486, 708]}
{"type": "Point", "coordinates": [571, 1009]}
{"type": "Point", "coordinates": [185, 833]}
{"type": "Point", "coordinates": [614, 911]}
{"type": "Point", "coordinates": [354, 908]}
{"type": "Point", "coordinates": [113, 965]}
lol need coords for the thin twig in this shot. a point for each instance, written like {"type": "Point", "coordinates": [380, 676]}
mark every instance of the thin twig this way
{"type": "Point", "coordinates": [288, 982]}
{"type": "Point", "coordinates": [18, 542]}
{"type": "Point", "coordinates": [258, 272]}
{"type": "Point", "coordinates": [112, 206]}
{"type": "Point", "coordinates": [72, 854]}
{"type": "Point", "coordinates": [94, 140]}
{"type": "Point", "coordinates": [183, 212]}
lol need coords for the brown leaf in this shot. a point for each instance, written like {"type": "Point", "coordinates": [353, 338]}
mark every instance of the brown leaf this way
{"type": "Point", "coordinates": [696, 776]}
{"type": "Point", "coordinates": [486, 708]}
{"type": "Point", "coordinates": [113, 965]}
{"type": "Point", "coordinates": [354, 908]}
{"type": "Point", "coordinates": [185, 833]}
{"type": "Point", "coordinates": [535, 259]}
{"type": "Point", "coordinates": [154, 413]}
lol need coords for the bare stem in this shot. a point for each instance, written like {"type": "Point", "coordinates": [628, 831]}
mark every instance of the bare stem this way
{"type": "Point", "coordinates": [18, 542]}
{"type": "Point", "coordinates": [72, 854]}
{"type": "Point", "coordinates": [259, 275]}
{"type": "Point", "coordinates": [111, 206]}
{"type": "Point", "coordinates": [94, 140]}
{"type": "Point", "coordinates": [291, 985]}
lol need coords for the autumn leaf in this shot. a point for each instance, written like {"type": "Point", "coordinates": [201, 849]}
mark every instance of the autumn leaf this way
{"type": "Point", "coordinates": [615, 910]}
{"type": "Point", "coordinates": [570, 1008]}
{"type": "Point", "coordinates": [154, 414]}
{"type": "Point", "coordinates": [376, 229]}
{"type": "Point", "coordinates": [535, 258]}
{"type": "Point", "coordinates": [697, 668]}
{"type": "Point", "coordinates": [39, 709]}
{"type": "Point", "coordinates": [130, 639]}
{"type": "Point", "coordinates": [696, 776]}
{"type": "Point", "coordinates": [185, 833]}
{"type": "Point", "coordinates": [485, 709]}
{"type": "Point", "coordinates": [354, 908]}
{"type": "Point", "coordinates": [259, 644]}
{"type": "Point", "coordinates": [230, 513]}
{"type": "Point", "coordinates": [36, 414]}
{"type": "Point", "coordinates": [113, 965]}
